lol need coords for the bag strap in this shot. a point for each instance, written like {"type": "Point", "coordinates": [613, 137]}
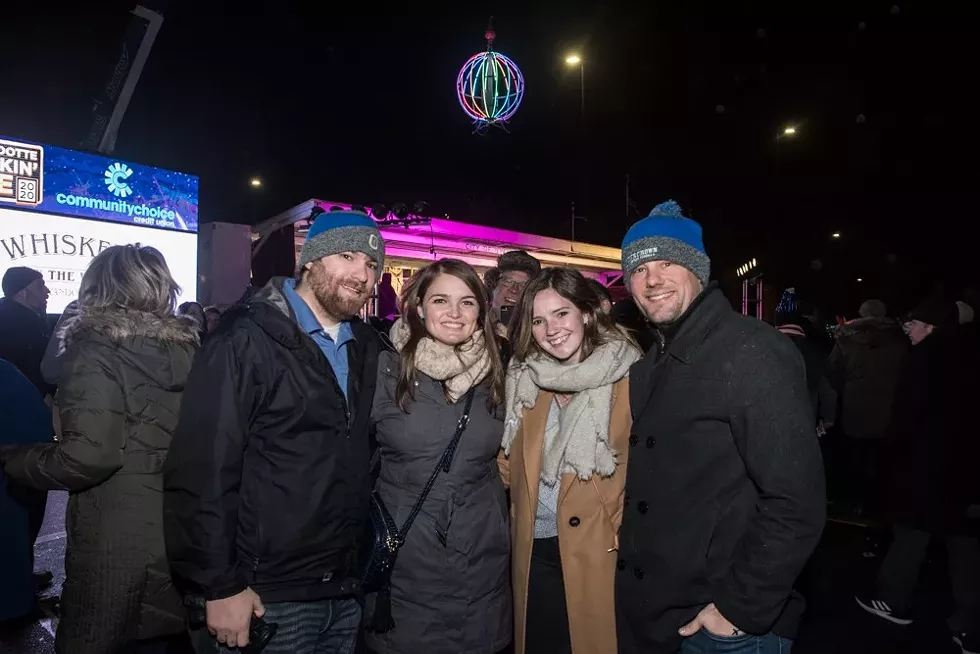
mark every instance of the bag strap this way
{"type": "Point", "coordinates": [444, 464]}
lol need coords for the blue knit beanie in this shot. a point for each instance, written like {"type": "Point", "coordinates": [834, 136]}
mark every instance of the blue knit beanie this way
{"type": "Point", "coordinates": [666, 235]}
{"type": "Point", "coordinates": [334, 232]}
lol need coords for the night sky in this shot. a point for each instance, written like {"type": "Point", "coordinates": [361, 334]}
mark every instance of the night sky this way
{"type": "Point", "coordinates": [686, 98]}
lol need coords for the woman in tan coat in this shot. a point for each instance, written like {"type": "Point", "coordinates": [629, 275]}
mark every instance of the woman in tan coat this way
{"type": "Point", "coordinates": [564, 452]}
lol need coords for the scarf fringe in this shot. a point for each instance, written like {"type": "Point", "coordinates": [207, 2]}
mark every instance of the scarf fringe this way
{"type": "Point", "coordinates": [581, 445]}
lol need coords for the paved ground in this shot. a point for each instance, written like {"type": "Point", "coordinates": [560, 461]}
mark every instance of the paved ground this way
{"type": "Point", "coordinates": [833, 624]}
{"type": "Point", "coordinates": [49, 555]}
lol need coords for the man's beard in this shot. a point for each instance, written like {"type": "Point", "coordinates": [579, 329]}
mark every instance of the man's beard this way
{"type": "Point", "coordinates": [335, 301]}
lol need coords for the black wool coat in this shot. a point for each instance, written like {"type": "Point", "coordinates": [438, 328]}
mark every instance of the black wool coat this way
{"type": "Point", "coordinates": [725, 497]}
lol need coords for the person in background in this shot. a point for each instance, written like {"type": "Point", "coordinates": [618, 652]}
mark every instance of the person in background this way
{"type": "Point", "coordinates": [865, 368]}
{"type": "Point", "coordinates": [387, 298]}
{"type": "Point", "coordinates": [195, 312]}
{"type": "Point", "coordinates": [790, 322]}
{"type": "Point", "coordinates": [267, 482]}
{"type": "Point", "coordinates": [628, 316]}
{"type": "Point", "coordinates": [450, 586]}
{"type": "Point", "coordinates": [27, 421]}
{"type": "Point", "coordinates": [505, 285]}
{"type": "Point", "coordinates": [126, 359]}
{"type": "Point", "coordinates": [212, 315]}
{"type": "Point", "coordinates": [932, 452]}
{"type": "Point", "coordinates": [725, 484]}
{"type": "Point", "coordinates": [605, 297]}
{"type": "Point", "coordinates": [23, 323]}
{"type": "Point", "coordinates": [564, 453]}
{"type": "Point", "coordinates": [24, 337]}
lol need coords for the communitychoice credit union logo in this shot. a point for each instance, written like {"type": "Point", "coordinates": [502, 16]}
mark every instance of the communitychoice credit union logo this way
{"type": "Point", "coordinates": [115, 182]}
{"type": "Point", "coordinates": [115, 179]}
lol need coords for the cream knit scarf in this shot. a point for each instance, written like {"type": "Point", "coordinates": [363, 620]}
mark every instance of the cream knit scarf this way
{"type": "Point", "coordinates": [458, 368]}
{"type": "Point", "coordinates": [582, 442]}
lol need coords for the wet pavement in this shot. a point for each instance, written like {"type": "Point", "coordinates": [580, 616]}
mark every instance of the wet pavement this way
{"type": "Point", "coordinates": [833, 623]}
{"type": "Point", "coordinates": [49, 556]}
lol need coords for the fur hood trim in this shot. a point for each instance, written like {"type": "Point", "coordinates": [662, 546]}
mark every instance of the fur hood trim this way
{"type": "Point", "coordinates": [119, 324]}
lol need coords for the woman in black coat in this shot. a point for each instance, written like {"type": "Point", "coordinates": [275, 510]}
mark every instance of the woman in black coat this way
{"type": "Point", "coordinates": [450, 587]}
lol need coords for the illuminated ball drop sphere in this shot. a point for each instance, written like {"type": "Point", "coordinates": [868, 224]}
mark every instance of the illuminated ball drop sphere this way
{"type": "Point", "coordinates": [490, 87]}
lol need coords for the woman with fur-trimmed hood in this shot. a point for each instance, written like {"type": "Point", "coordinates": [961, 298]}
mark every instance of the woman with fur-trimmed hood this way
{"type": "Point", "coordinates": [126, 359]}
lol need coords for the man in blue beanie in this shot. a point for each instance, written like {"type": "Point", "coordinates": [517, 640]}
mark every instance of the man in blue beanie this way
{"type": "Point", "coordinates": [725, 487]}
{"type": "Point", "coordinates": [267, 479]}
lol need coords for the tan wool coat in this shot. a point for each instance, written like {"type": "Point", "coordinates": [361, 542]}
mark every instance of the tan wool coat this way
{"type": "Point", "coordinates": [589, 515]}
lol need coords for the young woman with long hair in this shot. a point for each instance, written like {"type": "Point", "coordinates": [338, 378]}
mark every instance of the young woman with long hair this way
{"type": "Point", "coordinates": [450, 586]}
{"type": "Point", "coordinates": [564, 452]}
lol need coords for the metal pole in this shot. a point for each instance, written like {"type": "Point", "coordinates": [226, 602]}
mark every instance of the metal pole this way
{"type": "Point", "coordinates": [573, 225]}
{"type": "Point", "coordinates": [759, 291]}
{"type": "Point", "coordinates": [627, 199]}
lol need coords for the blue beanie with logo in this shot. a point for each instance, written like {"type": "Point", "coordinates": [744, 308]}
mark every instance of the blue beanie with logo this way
{"type": "Point", "coordinates": [666, 235]}
{"type": "Point", "coordinates": [334, 232]}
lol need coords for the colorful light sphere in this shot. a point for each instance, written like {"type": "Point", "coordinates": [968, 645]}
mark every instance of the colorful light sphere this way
{"type": "Point", "coordinates": [490, 88]}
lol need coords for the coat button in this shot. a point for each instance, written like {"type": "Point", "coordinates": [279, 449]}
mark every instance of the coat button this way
{"type": "Point", "coordinates": [642, 506]}
{"type": "Point", "coordinates": [651, 441]}
{"type": "Point", "coordinates": [620, 565]}
{"type": "Point", "coordinates": [638, 572]}
{"type": "Point", "coordinates": [574, 521]}
{"type": "Point", "coordinates": [634, 439]}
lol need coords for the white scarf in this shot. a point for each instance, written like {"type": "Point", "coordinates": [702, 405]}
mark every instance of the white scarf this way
{"type": "Point", "coordinates": [458, 368]}
{"type": "Point", "coordinates": [581, 444]}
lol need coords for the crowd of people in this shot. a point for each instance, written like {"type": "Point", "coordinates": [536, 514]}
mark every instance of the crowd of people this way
{"type": "Point", "coordinates": [507, 466]}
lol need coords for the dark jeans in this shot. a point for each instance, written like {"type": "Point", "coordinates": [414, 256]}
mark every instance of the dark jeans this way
{"type": "Point", "coordinates": [546, 628]}
{"type": "Point", "coordinates": [900, 571]}
{"type": "Point", "coordinates": [322, 627]}
{"type": "Point", "coordinates": [705, 642]}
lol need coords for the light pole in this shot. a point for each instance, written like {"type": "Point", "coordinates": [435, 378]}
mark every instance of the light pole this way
{"type": "Point", "coordinates": [571, 60]}
{"type": "Point", "coordinates": [576, 60]}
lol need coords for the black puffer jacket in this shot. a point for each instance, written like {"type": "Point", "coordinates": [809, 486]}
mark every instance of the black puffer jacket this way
{"type": "Point", "coordinates": [267, 482]}
{"type": "Point", "coordinates": [865, 368]}
{"type": "Point", "coordinates": [121, 382]}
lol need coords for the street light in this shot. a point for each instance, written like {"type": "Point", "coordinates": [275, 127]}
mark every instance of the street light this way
{"type": "Point", "coordinates": [255, 182]}
{"type": "Point", "coordinates": [860, 280]}
{"type": "Point", "coordinates": [574, 59]}
{"type": "Point", "coordinates": [835, 235]}
{"type": "Point", "coordinates": [789, 131]}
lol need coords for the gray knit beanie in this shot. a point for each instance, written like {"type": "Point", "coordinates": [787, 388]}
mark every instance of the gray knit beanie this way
{"type": "Point", "coordinates": [334, 232]}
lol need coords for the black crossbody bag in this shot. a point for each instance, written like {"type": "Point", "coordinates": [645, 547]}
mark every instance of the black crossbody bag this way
{"type": "Point", "coordinates": [384, 538]}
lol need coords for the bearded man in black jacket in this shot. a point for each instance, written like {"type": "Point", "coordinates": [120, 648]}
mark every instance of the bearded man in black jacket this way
{"type": "Point", "coordinates": [267, 481]}
{"type": "Point", "coordinates": [725, 496]}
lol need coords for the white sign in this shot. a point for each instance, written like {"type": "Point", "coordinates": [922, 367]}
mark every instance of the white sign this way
{"type": "Point", "coordinates": [61, 248]}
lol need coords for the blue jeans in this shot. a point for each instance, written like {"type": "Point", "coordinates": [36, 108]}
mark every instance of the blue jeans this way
{"type": "Point", "coordinates": [322, 627]}
{"type": "Point", "coordinates": [705, 642]}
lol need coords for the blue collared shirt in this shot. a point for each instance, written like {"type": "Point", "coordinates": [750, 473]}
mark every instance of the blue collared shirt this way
{"type": "Point", "coordinates": [336, 352]}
